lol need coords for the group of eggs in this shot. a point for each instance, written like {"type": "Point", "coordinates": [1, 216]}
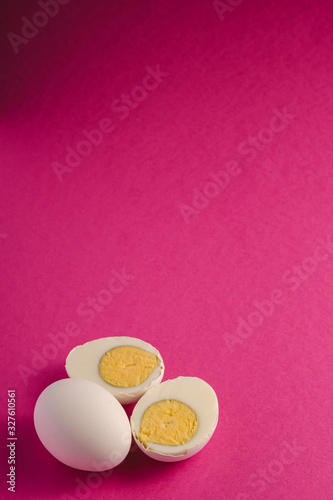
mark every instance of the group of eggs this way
{"type": "Point", "coordinates": [81, 422]}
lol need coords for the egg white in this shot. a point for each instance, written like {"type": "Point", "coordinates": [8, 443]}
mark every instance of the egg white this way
{"type": "Point", "coordinates": [82, 362]}
{"type": "Point", "coordinates": [82, 425]}
{"type": "Point", "coordinates": [197, 394]}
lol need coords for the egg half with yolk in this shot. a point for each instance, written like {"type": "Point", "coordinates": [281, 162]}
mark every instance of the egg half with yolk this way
{"type": "Point", "coordinates": [175, 419]}
{"type": "Point", "coordinates": [126, 366]}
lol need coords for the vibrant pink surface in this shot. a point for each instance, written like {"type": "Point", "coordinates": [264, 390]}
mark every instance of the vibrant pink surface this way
{"type": "Point", "coordinates": [196, 283]}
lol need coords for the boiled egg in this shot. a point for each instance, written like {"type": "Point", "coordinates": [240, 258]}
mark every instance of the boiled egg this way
{"type": "Point", "coordinates": [175, 419]}
{"type": "Point", "coordinates": [82, 425]}
{"type": "Point", "coordinates": [125, 366]}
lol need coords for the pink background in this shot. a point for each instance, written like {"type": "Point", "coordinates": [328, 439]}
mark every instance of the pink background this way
{"type": "Point", "coordinates": [260, 237]}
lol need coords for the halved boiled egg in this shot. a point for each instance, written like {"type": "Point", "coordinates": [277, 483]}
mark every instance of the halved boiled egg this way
{"type": "Point", "coordinates": [175, 419]}
{"type": "Point", "coordinates": [127, 367]}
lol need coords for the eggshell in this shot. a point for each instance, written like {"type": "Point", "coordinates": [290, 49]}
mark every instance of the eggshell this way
{"type": "Point", "coordinates": [193, 391]}
{"type": "Point", "coordinates": [82, 425]}
{"type": "Point", "coordinates": [83, 360]}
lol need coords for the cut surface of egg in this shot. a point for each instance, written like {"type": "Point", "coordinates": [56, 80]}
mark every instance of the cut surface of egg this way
{"type": "Point", "coordinates": [125, 366]}
{"type": "Point", "coordinates": [82, 425]}
{"type": "Point", "coordinates": [175, 419]}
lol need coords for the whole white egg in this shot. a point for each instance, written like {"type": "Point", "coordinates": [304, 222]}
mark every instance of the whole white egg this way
{"type": "Point", "coordinates": [82, 425]}
{"type": "Point", "coordinates": [199, 396]}
{"type": "Point", "coordinates": [83, 362]}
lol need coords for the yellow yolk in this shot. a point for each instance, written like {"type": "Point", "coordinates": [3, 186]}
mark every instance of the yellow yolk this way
{"type": "Point", "coordinates": [169, 422]}
{"type": "Point", "coordinates": [126, 366]}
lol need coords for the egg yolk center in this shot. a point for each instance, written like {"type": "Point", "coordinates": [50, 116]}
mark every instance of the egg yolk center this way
{"type": "Point", "coordinates": [126, 366]}
{"type": "Point", "coordinates": [169, 422]}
